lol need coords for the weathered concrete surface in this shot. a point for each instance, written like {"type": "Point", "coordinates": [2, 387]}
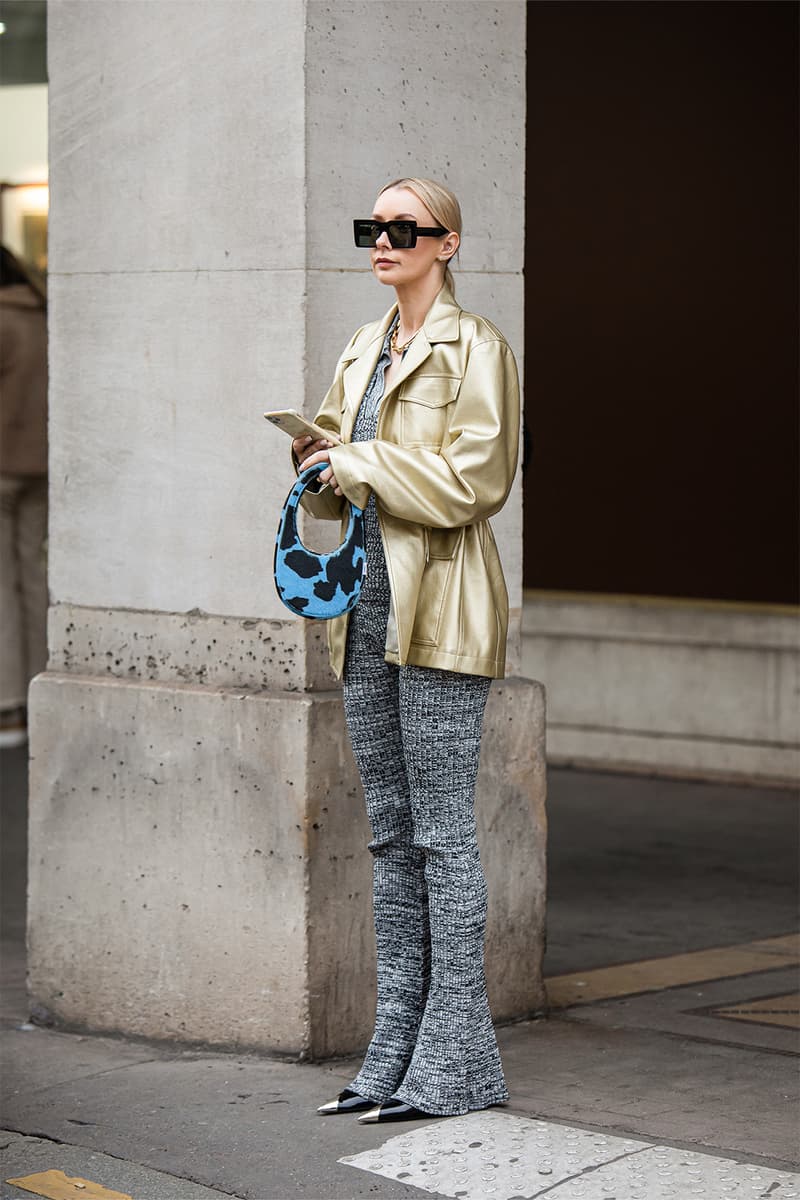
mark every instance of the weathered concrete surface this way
{"type": "Point", "coordinates": [166, 481]}
{"type": "Point", "coordinates": [177, 285]}
{"type": "Point", "coordinates": [192, 647]}
{"type": "Point", "coordinates": [247, 1125]}
{"type": "Point", "coordinates": [169, 849]}
{"type": "Point", "coordinates": [198, 125]}
{"type": "Point", "coordinates": [24, 1156]}
{"type": "Point", "coordinates": [198, 866]}
{"type": "Point", "coordinates": [512, 832]}
{"type": "Point", "coordinates": [654, 867]}
{"type": "Point", "coordinates": [694, 688]}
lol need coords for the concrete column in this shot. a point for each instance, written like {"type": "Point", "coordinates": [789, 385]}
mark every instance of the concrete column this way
{"type": "Point", "coordinates": [198, 865]}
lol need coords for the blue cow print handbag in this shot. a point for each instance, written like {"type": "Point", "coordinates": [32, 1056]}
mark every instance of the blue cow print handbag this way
{"type": "Point", "coordinates": [309, 582]}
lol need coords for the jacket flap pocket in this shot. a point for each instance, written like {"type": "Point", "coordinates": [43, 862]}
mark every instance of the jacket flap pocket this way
{"type": "Point", "coordinates": [434, 391]}
{"type": "Point", "coordinates": [442, 542]}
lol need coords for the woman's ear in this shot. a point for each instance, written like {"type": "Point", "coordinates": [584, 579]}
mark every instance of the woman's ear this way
{"type": "Point", "coordinates": [449, 246]}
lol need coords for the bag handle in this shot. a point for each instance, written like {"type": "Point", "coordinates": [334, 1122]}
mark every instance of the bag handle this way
{"type": "Point", "coordinates": [311, 583]}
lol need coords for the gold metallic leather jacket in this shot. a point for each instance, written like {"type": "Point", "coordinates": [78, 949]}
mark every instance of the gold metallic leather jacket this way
{"type": "Point", "coordinates": [442, 463]}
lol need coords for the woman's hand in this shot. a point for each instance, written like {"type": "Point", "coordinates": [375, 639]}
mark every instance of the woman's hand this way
{"type": "Point", "coordinates": [304, 446]}
{"type": "Point", "coordinates": [315, 456]}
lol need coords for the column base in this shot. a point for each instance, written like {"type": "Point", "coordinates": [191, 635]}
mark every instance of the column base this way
{"type": "Point", "coordinates": [198, 865]}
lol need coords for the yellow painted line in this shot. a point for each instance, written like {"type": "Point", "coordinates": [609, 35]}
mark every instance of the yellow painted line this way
{"type": "Point", "coordinates": [775, 1010]}
{"type": "Point", "coordinates": [55, 1185]}
{"type": "Point", "coordinates": [678, 970]}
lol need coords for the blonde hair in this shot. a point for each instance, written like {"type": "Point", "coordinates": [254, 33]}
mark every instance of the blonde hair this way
{"type": "Point", "coordinates": [440, 202]}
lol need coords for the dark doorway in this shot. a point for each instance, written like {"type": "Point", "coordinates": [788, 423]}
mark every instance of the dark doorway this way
{"type": "Point", "coordinates": [661, 299]}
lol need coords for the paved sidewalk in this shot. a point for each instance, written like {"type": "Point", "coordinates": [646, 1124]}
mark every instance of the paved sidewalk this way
{"type": "Point", "coordinates": [689, 1089]}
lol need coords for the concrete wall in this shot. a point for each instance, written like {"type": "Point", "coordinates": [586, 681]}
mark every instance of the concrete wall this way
{"type": "Point", "coordinates": [685, 688]}
{"type": "Point", "coordinates": [204, 175]}
{"type": "Point", "coordinates": [177, 314]}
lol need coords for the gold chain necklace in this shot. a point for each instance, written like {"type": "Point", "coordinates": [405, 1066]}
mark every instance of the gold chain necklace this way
{"type": "Point", "coordinates": [393, 340]}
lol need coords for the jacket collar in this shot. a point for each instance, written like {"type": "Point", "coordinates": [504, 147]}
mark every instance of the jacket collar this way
{"type": "Point", "coordinates": [440, 325]}
{"type": "Point", "coordinates": [442, 321]}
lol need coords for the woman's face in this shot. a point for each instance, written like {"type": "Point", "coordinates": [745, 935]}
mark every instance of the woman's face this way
{"type": "Point", "coordinates": [429, 257]}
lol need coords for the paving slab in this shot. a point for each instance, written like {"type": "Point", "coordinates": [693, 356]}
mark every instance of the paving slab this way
{"type": "Point", "coordinates": [640, 866]}
{"type": "Point", "coordinates": [23, 1156]}
{"type": "Point", "coordinates": [493, 1156]}
{"type": "Point", "coordinates": [35, 1059]}
{"type": "Point", "coordinates": [706, 1095]}
{"type": "Point", "coordinates": [242, 1125]}
{"type": "Point", "coordinates": [692, 1012]}
{"type": "Point", "coordinates": [247, 1125]}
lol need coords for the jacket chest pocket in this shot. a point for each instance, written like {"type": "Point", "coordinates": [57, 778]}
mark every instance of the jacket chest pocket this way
{"type": "Point", "coordinates": [424, 403]}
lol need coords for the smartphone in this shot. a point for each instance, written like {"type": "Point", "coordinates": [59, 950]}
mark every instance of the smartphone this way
{"type": "Point", "coordinates": [296, 426]}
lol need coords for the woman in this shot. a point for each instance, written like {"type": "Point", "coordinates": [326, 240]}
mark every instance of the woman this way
{"type": "Point", "coordinates": [426, 404]}
{"type": "Point", "coordinates": [23, 492]}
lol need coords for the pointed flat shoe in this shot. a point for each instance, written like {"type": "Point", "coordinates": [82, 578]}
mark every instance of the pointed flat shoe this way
{"type": "Point", "coordinates": [394, 1110]}
{"type": "Point", "coordinates": [347, 1101]}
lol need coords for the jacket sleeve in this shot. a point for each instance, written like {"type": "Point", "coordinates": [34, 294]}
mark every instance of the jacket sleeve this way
{"type": "Point", "coordinates": [324, 504]}
{"type": "Point", "coordinates": [470, 477]}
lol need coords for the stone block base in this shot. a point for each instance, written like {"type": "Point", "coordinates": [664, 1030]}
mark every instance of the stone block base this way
{"type": "Point", "coordinates": [674, 687]}
{"type": "Point", "coordinates": [199, 872]}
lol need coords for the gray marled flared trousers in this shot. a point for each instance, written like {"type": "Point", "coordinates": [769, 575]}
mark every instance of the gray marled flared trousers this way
{"type": "Point", "coordinates": [416, 735]}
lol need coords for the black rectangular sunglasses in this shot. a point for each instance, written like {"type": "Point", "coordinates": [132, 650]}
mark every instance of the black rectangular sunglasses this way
{"type": "Point", "coordinates": [402, 234]}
